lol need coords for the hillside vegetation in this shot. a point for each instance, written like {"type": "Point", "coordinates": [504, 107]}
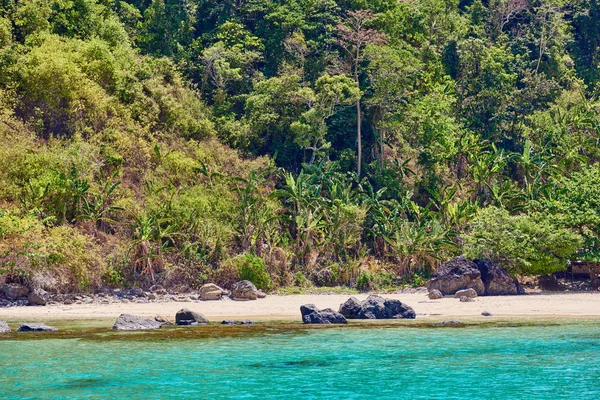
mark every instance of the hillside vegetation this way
{"type": "Point", "coordinates": [295, 142]}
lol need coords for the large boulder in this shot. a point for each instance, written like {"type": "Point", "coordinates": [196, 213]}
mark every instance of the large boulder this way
{"type": "Point", "coordinates": [4, 327]}
{"type": "Point", "coordinates": [312, 315]}
{"type": "Point", "coordinates": [36, 328]}
{"type": "Point", "coordinates": [210, 291]}
{"type": "Point", "coordinates": [13, 291]}
{"type": "Point", "coordinates": [376, 307]}
{"type": "Point", "coordinates": [128, 322]}
{"type": "Point", "coordinates": [38, 297]}
{"type": "Point", "coordinates": [455, 275]}
{"type": "Point", "coordinates": [188, 317]}
{"type": "Point", "coordinates": [244, 290]}
{"type": "Point", "coordinates": [496, 280]}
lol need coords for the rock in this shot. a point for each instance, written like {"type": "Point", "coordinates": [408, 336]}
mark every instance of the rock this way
{"type": "Point", "coordinates": [157, 289]}
{"type": "Point", "coordinates": [487, 314]}
{"type": "Point", "coordinates": [150, 296]}
{"type": "Point", "coordinates": [68, 302]}
{"type": "Point", "coordinates": [244, 290]}
{"type": "Point", "coordinates": [260, 294]}
{"type": "Point", "coordinates": [137, 292]}
{"type": "Point", "coordinates": [457, 274]}
{"type": "Point", "coordinates": [128, 322]}
{"type": "Point", "coordinates": [210, 291]}
{"type": "Point", "coordinates": [465, 299]}
{"type": "Point", "coordinates": [4, 327]}
{"type": "Point", "coordinates": [376, 307]}
{"type": "Point", "coordinates": [13, 291]}
{"type": "Point", "coordinates": [435, 294]}
{"type": "Point", "coordinates": [547, 282]}
{"type": "Point", "coordinates": [162, 320]}
{"type": "Point", "coordinates": [496, 280]}
{"type": "Point", "coordinates": [187, 317]}
{"type": "Point", "coordinates": [450, 323]}
{"type": "Point", "coordinates": [233, 322]}
{"type": "Point", "coordinates": [38, 297]}
{"type": "Point", "coordinates": [36, 328]}
{"type": "Point", "coordinates": [312, 315]}
{"type": "Point", "coordinates": [466, 293]}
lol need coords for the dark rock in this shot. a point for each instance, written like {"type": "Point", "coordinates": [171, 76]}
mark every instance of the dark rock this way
{"type": "Point", "coordinates": [312, 315]}
{"type": "Point", "coordinates": [457, 274]}
{"type": "Point", "coordinates": [36, 328]}
{"type": "Point", "coordinates": [487, 314]}
{"type": "Point", "coordinates": [38, 297]}
{"type": "Point", "coordinates": [376, 307]}
{"type": "Point", "coordinates": [233, 322]}
{"type": "Point", "coordinates": [497, 280]}
{"type": "Point", "coordinates": [465, 299]}
{"type": "Point", "coordinates": [549, 283]}
{"type": "Point", "coordinates": [137, 292]}
{"type": "Point", "coordinates": [520, 288]}
{"type": "Point", "coordinates": [4, 327]}
{"type": "Point", "coordinates": [435, 295]}
{"type": "Point", "coordinates": [244, 290]}
{"type": "Point", "coordinates": [13, 291]}
{"type": "Point", "coordinates": [128, 322]}
{"type": "Point", "coordinates": [187, 317]}
{"type": "Point", "coordinates": [466, 293]}
{"type": "Point", "coordinates": [210, 291]}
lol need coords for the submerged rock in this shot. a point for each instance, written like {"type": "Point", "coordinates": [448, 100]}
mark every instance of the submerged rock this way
{"type": "Point", "coordinates": [435, 295]}
{"type": "Point", "coordinates": [188, 317]}
{"type": "Point", "coordinates": [38, 297]}
{"type": "Point", "coordinates": [128, 322]}
{"type": "Point", "coordinates": [497, 280]}
{"type": "Point", "coordinates": [4, 328]}
{"type": "Point", "coordinates": [210, 291]}
{"type": "Point", "coordinates": [233, 322]}
{"type": "Point", "coordinates": [376, 307]}
{"type": "Point", "coordinates": [13, 291]}
{"type": "Point", "coordinates": [471, 293]}
{"type": "Point", "coordinates": [312, 315]}
{"type": "Point", "coordinates": [457, 274]}
{"type": "Point", "coordinates": [244, 290]}
{"type": "Point", "coordinates": [36, 328]}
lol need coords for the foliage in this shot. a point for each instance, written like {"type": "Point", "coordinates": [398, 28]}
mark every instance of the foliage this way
{"type": "Point", "coordinates": [252, 268]}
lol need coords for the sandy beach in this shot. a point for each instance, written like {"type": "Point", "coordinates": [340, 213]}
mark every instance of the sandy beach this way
{"type": "Point", "coordinates": [543, 305]}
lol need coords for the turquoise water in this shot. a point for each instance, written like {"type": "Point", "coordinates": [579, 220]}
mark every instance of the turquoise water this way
{"type": "Point", "coordinates": [540, 362]}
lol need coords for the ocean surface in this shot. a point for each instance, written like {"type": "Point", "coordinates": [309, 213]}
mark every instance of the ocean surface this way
{"type": "Point", "coordinates": [473, 362]}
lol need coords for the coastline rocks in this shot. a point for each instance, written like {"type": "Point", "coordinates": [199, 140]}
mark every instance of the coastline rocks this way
{"type": "Point", "coordinates": [36, 328]}
{"type": "Point", "coordinates": [497, 280]}
{"type": "Point", "coordinates": [38, 297]}
{"type": "Point", "coordinates": [128, 322]}
{"type": "Point", "coordinates": [471, 293]}
{"type": "Point", "coordinates": [188, 317]}
{"type": "Point", "coordinates": [4, 327]}
{"type": "Point", "coordinates": [245, 290]}
{"type": "Point", "coordinates": [435, 295]}
{"type": "Point", "coordinates": [13, 291]}
{"type": "Point", "coordinates": [312, 315]}
{"type": "Point", "coordinates": [457, 274]}
{"type": "Point", "coordinates": [376, 307]}
{"type": "Point", "coordinates": [210, 291]}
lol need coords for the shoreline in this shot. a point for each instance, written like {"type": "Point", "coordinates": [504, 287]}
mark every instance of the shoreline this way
{"type": "Point", "coordinates": [549, 305]}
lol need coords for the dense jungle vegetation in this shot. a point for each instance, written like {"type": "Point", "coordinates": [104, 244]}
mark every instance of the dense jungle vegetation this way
{"type": "Point", "coordinates": [295, 142]}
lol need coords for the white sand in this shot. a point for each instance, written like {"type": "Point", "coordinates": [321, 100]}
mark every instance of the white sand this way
{"type": "Point", "coordinates": [578, 305]}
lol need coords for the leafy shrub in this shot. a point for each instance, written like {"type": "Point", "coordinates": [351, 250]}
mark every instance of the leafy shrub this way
{"type": "Point", "coordinates": [253, 269]}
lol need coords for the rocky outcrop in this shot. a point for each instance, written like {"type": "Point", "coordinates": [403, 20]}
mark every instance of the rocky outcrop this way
{"type": "Point", "coordinates": [210, 291]}
{"type": "Point", "coordinates": [376, 307]}
{"type": "Point", "coordinates": [497, 281]}
{"type": "Point", "coordinates": [188, 317]}
{"type": "Point", "coordinates": [13, 291]}
{"type": "Point", "coordinates": [36, 328]}
{"type": "Point", "coordinates": [312, 315]}
{"type": "Point", "coordinates": [435, 295]}
{"type": "Point", "coordinates": [4, 327]}
{"type": "Point", "coordinates": [470, 293]}
{"type": "Point", "coordinates": [245, 290]}
{"type": "Point", "coordinates": [38, 297]}
{"type": "Point", "coordinates": [457, 274]}
{"type": "Point", "coordinates": [128, 322]}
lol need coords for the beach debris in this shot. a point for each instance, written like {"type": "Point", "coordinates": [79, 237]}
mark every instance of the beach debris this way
{"type": "Point", "coordinates": [28, 327]}
{"type": "Point", "coordinates": [487, 314]}
{"type": "Point", "coordinates": [312, 315]}
{"type": "Point", "coordinates": [129, 322]}
{"type": "Point", "coordinates": [13, 291]}
{"type": "Point", "coordinates": [188, 317]}
{"type": "Point", "coordinates": [234, 322]}
{"type": "Point", "coordinates": [210, 291]}
{"type": "Point", "coordinates": [38, 297]}
{"type": "Point", "coordinates": [245, 290]}
{"type": "Point", "coordinates": [497, 280]}
{"type": "Point", "coordinates": [376, 307]}
{"type": "Point", "coordinates": [4, 328]}
{"type": "Point", "coordinates": [459, 273]}
{"type": "Point", "coordinates": [465, 299]}
{"type": "Point", "coordinates": [435, 294]}
{"type": "Point", "coordinates": [466, 293]}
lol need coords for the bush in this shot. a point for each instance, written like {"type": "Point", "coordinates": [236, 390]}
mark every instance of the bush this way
{"type": "Point", "coordinates": [253, 269]}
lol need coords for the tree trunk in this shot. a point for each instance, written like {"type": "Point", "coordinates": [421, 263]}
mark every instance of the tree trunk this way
{"type": "Point", "coordinates": [358, 136]}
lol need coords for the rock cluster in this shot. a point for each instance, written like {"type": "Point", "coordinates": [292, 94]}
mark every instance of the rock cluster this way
{"type": "Point", "coordinates": [312, 315]}
{"type": "Point", "coordinates": [376, 307]}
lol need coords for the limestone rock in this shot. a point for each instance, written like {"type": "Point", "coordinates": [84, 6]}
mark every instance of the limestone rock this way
{"type": "Point", "coordinates": [244, 290]}
{"type": "Point", "coordinates": [188, 317]}
{"type": "Point", "coordinates": [128, 322]}
{"type": "Point", "coordinates": [36, 328]}
{"type": "Point", "coordinates": [4, 327]}
{"type": "Point", "coordinates": [497, 280]}
{"type": "Point", "coordinates": [466, 293]}
{"type": "Point", "coordinates": [38, 297]}
{"type": "Point", "coordinates": [13, 291]}
{"type": "Point", "coordinates": [457, 274]}
{"type": "Point", "coordinates": [376, 307]}
{"type": "Point", "coordinates": [435, 294]}
{"type": "Point", "coordinates": [312, 315]}
{"type": "Point", "coordinates": [210, 291]}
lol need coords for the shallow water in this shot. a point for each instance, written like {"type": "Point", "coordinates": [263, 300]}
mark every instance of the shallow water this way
{"type": "Point", "coordinates": [491, 362]}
